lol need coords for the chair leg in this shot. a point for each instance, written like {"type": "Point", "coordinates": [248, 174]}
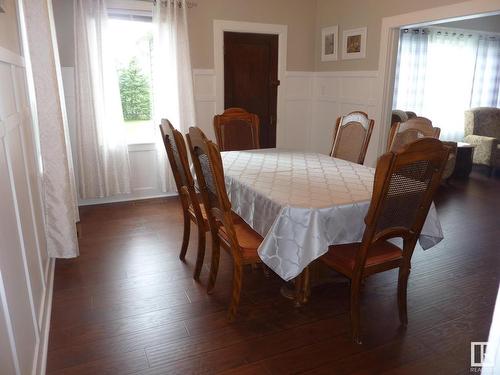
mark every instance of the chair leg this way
{"type": "Point", "coordinates": [185, 236]}
{"type": "Point", "coordinates": [237, 281]}
{"type": "Point", "coordinates": [355, 310]}
{"type": "Point", "coordinates": [404, 273]}
{"type": "Point", "coordinates": [201, 252]}
{"type": "Point", "coordinates": [214, 265]}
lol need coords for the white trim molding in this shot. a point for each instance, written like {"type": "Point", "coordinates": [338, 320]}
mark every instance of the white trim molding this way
{"type": "Point", "coordinates": [10, 57]}
{"type": "Point", "coordinates": [389, 42]}
{"type": "Point", "coordinates": [220, 26]}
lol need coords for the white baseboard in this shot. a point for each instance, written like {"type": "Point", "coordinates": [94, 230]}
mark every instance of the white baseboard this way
{"type": "Point", "coordinates": [91, 202]}
{"type": "Point", "coordinates": [40, 363]}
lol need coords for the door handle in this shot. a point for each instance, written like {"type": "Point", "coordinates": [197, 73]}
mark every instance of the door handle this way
{"type": "Point", "coordinates": [275, 83]}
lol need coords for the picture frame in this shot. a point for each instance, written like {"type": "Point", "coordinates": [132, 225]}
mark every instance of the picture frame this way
{"type": "Point", "coordinates": [354, 43]}
{"type": "Point", "coordinates": [329, 43]}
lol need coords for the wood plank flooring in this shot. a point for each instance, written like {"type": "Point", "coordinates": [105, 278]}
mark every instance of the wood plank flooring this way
{"type": "Point", "coordinates": [127, 305]}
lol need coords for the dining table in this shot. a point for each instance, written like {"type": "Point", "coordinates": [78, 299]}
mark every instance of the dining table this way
{"type": "Point", "coordinates": [303, 202]}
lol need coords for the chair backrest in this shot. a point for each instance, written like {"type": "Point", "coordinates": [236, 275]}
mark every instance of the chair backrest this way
{"type": "Point", "coordinates": [402, 133]}
{"type": "Point", "coordinates": [404, 186]}
{"type": "Point", "coordinates": [208, 166]}
{"type": "Point", "coordinates": [410, 114]}
{"type": "Point", "coordinates": [352, 136]}
{"type": "Point", "coordinates": [177, 156]}
{"type": "Point", "coordinates": [236, 130]}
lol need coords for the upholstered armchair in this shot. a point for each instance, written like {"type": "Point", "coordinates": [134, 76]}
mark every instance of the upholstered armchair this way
{"type": "Point", "coordinates": [482, 129]}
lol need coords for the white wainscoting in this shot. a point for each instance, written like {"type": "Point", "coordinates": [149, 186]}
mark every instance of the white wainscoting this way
{"type": "Point", "coordinates": [312, 103]}
{"type": "Point", "coordinates": [336, 94]}
{"type": "Point", "coordinates": [204, 81]}
{"type": "Point", "coordinates": [26, 272]}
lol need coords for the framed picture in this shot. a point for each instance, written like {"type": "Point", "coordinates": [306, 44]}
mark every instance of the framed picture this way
{"type": "Point", "coordinates": [329, 43]}
{"type": "Point", "coordinates": [354, 44]}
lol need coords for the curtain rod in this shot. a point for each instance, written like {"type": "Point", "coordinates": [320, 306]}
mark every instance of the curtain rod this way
{"type": "Point", "coordinates": [190, 4]}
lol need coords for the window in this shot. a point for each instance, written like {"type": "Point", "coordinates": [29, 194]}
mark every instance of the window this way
{"type": "Point", "coordinates": [132, 40]}
{"type": "Point", "coordinates": [443, 72]}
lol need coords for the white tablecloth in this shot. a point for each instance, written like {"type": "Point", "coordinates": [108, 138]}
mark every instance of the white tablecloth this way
{"type": "Point", "coordinates": [303, 202]}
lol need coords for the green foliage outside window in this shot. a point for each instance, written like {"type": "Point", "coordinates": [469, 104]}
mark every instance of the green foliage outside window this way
{"type": "Point", "coordinates": [135, 93]}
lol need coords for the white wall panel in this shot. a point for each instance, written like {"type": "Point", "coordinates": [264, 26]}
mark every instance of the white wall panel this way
{"type": "Point", "coordinates": [7, 98]}
{"type": "Point", "coordinates": [32, 170]}
{"type": "Point", "coordinates": [15, 279]}
{"type": "Point", "coordinates": [325, 114]}
{"type": "Point", "coordinates": [205, 100]}
{"type": "Point", "coordinates": [144, 170]}
{"type": "Point", "coordinates": [17, 164]}
{"type": "Point", "coordinates": [338, 93]}
{"type": "Point", "coordinates": [25, 269]}
{"type": "Point", "coordinates": [7, 359]}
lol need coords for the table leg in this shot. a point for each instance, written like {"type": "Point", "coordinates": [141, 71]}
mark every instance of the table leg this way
{"type": "Point", "coordinates": [303, 287]}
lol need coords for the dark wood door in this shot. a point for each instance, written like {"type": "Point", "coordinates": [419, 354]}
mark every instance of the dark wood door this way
{"type": "Point", "coordinates": [251, 78]}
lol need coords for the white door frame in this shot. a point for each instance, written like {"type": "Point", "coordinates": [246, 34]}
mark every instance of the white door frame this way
{"type": "Point", "coordinates": [220, 26]}
{"type": "Point", "coordinates": [389, 47]}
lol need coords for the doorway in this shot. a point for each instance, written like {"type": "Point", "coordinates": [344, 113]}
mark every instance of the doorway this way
{"type": "Point", "coordinates": [251, 78]}
{"type": "Point", "coordinates": [389, 38]}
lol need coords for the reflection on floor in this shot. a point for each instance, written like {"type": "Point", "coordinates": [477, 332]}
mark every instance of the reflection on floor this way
{"type": "Point", "coordinates": [128, 305]}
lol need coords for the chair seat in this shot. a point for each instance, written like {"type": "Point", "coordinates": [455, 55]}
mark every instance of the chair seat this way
{"type": "Point", "coordinates": [248, 239]}
{"type": "Point", "coordinates": [343, 257]}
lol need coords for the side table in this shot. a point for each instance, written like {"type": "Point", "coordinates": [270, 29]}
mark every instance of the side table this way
{"type": "Point", "coordinates": [463, 166]}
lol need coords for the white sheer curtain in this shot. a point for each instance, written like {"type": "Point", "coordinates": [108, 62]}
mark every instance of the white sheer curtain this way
{"type": "Point", "coordinates": [441, 73]}
{"type": "Point", "coordinates": [411, 68]}
{"type": "Point", "coordinates": [103, 163]}
{"type": "Point", "coordinates": [435, 76]}
{"type": "Point", "coordinates": [448, 84]}
{"type": "Point", "coordinates": [486, 89]}
{"type": "Point", "coordinates": [173, 81]}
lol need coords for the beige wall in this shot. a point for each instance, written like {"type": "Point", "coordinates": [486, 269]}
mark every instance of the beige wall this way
{"type": "Point", "coordinates": [349, 14]}
{"type": "Point", "coordinates": [9, 34]}
{"type": "Point", "coordinates": [304, 19]}
{"type": "Point", "coordinates": [298, 15]}
{"type": "Point", "coordinates": [489, 24]}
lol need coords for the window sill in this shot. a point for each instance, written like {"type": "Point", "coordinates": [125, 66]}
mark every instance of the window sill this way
{"type": "Point", "coordinates": [141, 147]}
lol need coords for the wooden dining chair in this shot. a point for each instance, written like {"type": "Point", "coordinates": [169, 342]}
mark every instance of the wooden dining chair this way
{"type": "Point", "coordinates": [228, 229]}
{"type": "Point", "coordinates": [404, 185]}
{"type": "Point", "coordinates": [352, 136]}
{"type": "Point", "coordinates": [236, 130]}
{"type": "Point", "coordinates": [414, 128]}
{"type": "Point", "coordinates": [191, 208]}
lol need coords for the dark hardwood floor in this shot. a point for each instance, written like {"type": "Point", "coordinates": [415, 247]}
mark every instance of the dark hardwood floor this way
{"type": "Point", "coordinates": [128, 305]}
